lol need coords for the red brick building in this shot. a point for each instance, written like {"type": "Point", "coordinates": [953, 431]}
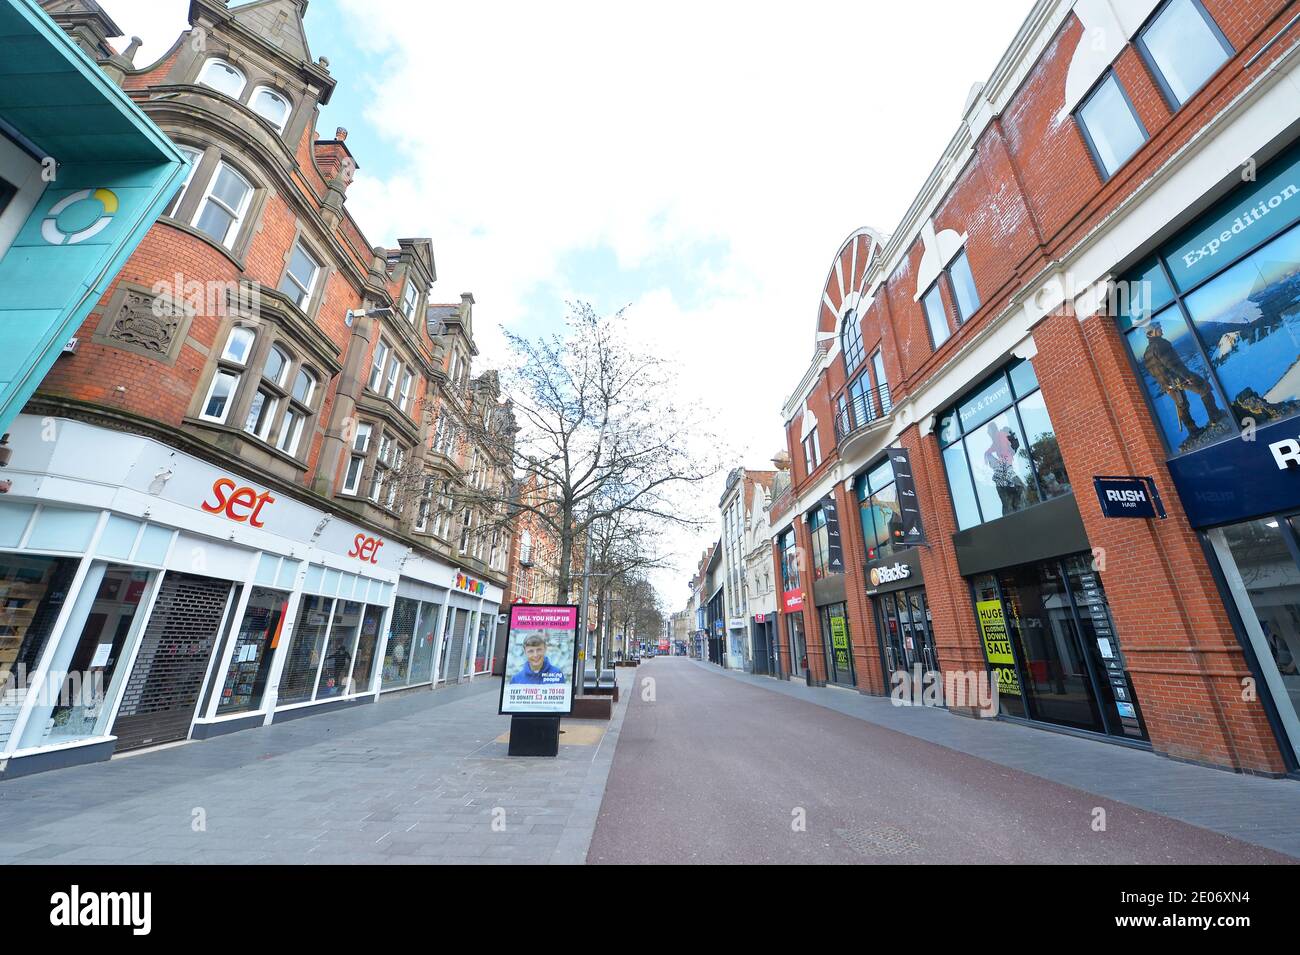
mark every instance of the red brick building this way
{"type": "Point", "coordinates": [1098, 279]}
{"type": "Point", "coordinates": [245, 493]}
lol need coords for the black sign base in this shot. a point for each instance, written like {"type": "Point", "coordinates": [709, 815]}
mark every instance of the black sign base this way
{"type": "Point", "coordinates": [534, 736]}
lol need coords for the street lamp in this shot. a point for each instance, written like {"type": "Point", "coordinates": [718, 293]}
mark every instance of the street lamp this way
{"type": "Point", "coordinates": [354, 313]}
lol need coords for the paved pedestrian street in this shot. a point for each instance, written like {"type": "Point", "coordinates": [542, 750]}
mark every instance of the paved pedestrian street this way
{"type": "Point", "coordinates": [721, 767]}
{"type": "Point", "coordinates": [421, 778]}
{"type": "Point", "coordinates": [697, 765]}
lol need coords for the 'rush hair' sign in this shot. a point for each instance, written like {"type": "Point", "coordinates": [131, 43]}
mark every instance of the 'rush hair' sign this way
{"type": "Point", "coordinates": [1128, 497]}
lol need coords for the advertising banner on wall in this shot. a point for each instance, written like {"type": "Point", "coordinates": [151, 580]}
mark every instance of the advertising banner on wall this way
{"type": "Point", "coordinates": [541, 650]}
{"type": "Point", "coordinates": [834, 546]}
{"type": "Point", "coordinates": [905, 484]}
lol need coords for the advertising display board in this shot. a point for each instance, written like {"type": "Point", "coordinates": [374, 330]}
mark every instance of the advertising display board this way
{"type": "Point", "coordinates": [541, 653]}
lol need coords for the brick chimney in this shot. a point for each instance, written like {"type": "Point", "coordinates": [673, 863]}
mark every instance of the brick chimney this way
{"type": "Point", "coordinates": [334, 158]}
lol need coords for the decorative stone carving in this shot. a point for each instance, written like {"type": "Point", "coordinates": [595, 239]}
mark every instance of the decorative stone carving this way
{"type": "Point", "coordinates": [138, 321]}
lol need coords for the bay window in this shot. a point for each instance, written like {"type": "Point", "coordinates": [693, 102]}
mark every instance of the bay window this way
{"type": "Point", "coordinates": [357, 461]}
{"type": "Point", "coordinates": [271, 106]}
{"type": "Point", "coordinates": [222, 77]}
{"type": "Point", "coordinates": [377, 366]}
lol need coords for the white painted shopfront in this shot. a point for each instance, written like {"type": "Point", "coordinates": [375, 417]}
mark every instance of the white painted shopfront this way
{"type": "Point", "coordinates": [151, 597]}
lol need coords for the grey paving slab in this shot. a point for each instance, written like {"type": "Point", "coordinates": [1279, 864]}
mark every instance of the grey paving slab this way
{"type": "Point", "coordinates": [418, 777]}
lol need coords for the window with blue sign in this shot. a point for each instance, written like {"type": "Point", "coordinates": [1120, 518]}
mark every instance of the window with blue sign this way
{"type": "Point", "coordinates": [1000, 450]}
{"type": "Point", "coordinates": [1213, 323]}
{"type": "Point", "coordinates": [882, 518]}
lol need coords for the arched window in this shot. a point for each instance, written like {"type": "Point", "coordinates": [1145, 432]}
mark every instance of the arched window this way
{"type": "Point", "coordinates": [277, 363]}
{"type": "Point", "coordinates": [222, 77]}
{"type": "Point", "coordinates": [851, 342]}
{"type": "Point", "coordinates": [238, 345]}
{"type": "Point", "coordinates": [271, 106]}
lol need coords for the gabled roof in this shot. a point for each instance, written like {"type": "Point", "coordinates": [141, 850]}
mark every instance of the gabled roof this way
{"type": "Point", "coordinates": [278, 22]}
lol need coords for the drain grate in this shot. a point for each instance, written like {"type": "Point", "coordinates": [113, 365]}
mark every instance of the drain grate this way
{"type": "Point", "coordinates": [878, 841]}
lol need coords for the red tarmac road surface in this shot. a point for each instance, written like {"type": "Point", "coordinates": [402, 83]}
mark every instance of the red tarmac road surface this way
{"type": "Point", "coordinates": [718, 771]}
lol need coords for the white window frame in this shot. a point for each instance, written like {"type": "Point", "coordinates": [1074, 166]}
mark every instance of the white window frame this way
{"type": "Point", "coordinates": [394, 366]}
{"type": "Point", "coordinates": [267, 415]}
{"type": "Point", "coordinates": [310, 286]}
{"type": "Point", "coordinates": [404, 396]}
{"type": "Point", "coordinates": [233, 229]}
{"type": "Point", "coordinates": [195, 156]}
{"type": "Point", "coordinates": [218, 61]}
{"type": "Point", "coordinates": [279, 125]}
{"type": "Point", "coordinates": [230, 401]}
{"type": "Point", "coordinates": [410, 299]}
{"type": "Point", "coordinates": [377, 363]}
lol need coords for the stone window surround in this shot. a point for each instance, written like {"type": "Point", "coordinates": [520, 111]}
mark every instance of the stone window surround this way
{"type": "Point", "coordinates": [251, 380]}
{"type": "Point", "coordinates": [324, 273]}
{"type": "Point", "coordinates": [211, 155]}
{"type": "Point", "coordinates": [256, 78]}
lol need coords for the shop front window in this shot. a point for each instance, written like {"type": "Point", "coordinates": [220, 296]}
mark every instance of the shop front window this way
{"type": "Point", "coordinates": [839, 647]}
{"type": "Point", "coordinates": [78, 695]}
{"type": "Point", "coordinates": [1000, 449]}
{"type": "Point", "coordinates": [1261, 560]}
{"type": "Point", "coordinates": [299, 676]}
{"type": "Point", "coordinates": [32, 592]}
{"type": "Point", "coordinates": [250, 660]}
{"type": "Point", "coordinates": [340, 651]}
{"type": "Point", "coordinates": [397, 655]}
{"type": "Point", "coordinates": [1248, 318]}
{"type": "Point", "coordinates": [820, 550]}
{"type": "Point", "coordinates": [798, 643]}
{"type": "Point", "coordinates": [1051, 644]}
{"type": "Point", "coordinates": [367, 642]}
{"type": "Point", "coordinates": [1224, 356]}
{"type": "Point", "coordinates": [878, 509]}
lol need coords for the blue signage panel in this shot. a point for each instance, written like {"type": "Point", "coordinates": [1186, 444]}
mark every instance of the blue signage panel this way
{"type": "Point", "coordinates": [111, 171]}
{"type": "Point", "coordinates": [1237, 479]}
{"type": "Point", "coordinates": [1252, 214]}
{"type": "Point", "coordinates": [1128, 497]}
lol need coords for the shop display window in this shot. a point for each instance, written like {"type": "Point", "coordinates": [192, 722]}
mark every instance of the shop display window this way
{"type": "Point", "coordinates": [340, 651]}
{"type": "Point", "coordinates": [1000, 450]}
{"type": "Point", "coordinates": [76, 696]}
{"type": "Point", "coordinates": [250, 659]}
{"type": "Point", "coordinates": [298, 678]}
{"type": "Point", "coordinates": [32, 592]}
{"type": "Point", "coordinates": [879, 511]}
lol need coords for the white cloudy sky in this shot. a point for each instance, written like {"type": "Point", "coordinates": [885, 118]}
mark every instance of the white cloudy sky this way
{"type": "Point", "coordinates": [701, 162]}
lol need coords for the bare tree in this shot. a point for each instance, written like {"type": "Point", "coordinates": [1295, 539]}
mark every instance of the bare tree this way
{"type": "Point", "coordinates": [596, 421]}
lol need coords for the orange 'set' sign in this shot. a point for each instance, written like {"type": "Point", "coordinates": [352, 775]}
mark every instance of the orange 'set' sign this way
{"type": "Point", "coordinates": [366, 548]}
{"type": "Point", "coordinates": [239, 504]}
